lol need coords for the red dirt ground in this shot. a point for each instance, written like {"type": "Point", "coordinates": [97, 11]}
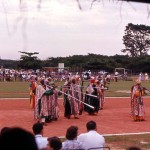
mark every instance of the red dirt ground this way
{"type": "Point", "coordinates": [113, 119]}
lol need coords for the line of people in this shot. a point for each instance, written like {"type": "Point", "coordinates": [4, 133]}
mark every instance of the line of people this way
{"type": "Point", "coordinates": [44, 98]}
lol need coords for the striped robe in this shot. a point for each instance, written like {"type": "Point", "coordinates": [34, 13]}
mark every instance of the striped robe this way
{"type": "Point", "coordinates": [137, 104]}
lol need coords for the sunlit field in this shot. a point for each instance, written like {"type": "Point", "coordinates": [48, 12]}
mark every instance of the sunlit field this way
{"type": "Point", "coordinates": [21, 89]}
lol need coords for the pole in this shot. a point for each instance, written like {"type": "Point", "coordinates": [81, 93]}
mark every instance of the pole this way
{"type": "Point", "coordinates": [73, 97]}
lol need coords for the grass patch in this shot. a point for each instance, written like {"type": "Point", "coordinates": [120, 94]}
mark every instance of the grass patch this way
{"type": "Point", "coordinates": [21, 89]}
{"type": "Point", "coordinates": [124, 141]}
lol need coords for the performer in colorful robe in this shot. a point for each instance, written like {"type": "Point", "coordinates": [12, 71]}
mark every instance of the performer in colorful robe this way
{"type": "Point", "coordinates": [75, 96]}
{"type": "Point", "coordinates": [40, 90]}
{"type": "Point", "coordinates": [46, 108]}
{"type": "Point", "coordinates": [79, 93]}
{"type": "Point", "coordinates": [32, 89]}
{"type": "Point", "coordinates": [72, 98]}
{"type": "Point", "coordinates": [101, 87]}
{"type": "Point", "coordinates": [53, 103]}
{"type": "Point", "coordinates": [137, 103]}
{"type": "Point", "coordinates": [92, 100]}
{"type": "Point", "coordinates": [67, 101]}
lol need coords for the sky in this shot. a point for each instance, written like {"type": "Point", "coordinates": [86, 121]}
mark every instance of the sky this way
{"type": "Point", "coordinates": [60, 28]}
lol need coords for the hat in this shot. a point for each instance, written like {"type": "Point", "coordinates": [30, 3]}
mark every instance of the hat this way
{"type": "Point", "coordinates": [92, 81]}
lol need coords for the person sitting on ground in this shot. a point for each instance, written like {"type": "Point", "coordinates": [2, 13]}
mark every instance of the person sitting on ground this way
{"type": "Point", "coordinates": [91, 139]}
{"type": "Point", "coordinates": [54, 143]}
{"type": "Point", "coordinates": [17, 138]}
{"type": "Point", "coordinates": [71, 143]}
{"type": "Point", "coordinates": [38, 132]}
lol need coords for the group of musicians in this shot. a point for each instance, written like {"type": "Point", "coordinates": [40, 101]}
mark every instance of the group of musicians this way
{"type": "Point", "coordinates": [44, 98]}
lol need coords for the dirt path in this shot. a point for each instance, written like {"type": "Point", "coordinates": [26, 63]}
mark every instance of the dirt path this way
{"type": "Point", "coordinates": [113, 119]}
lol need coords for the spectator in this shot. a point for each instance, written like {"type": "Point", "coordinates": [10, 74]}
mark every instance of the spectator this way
{"type": "Point", "coordinates": [91, 139]}
{"type": "Point", "coordinates": [54, 143]}
{"type": "Point", "coordinates": [40, 140]}
{"type": "Point", "coordinates": [133, 148]}
{"type": "Point", "coordinates": [146, 77]}
{"type": "Point", "coordinates": [17, 139]}
{"type": "Point", "coordinates": [116, 76]}
{"type": "Point", "coordinates": [4, 129]}
{"type": "Point", "coordinates": [71, 143]}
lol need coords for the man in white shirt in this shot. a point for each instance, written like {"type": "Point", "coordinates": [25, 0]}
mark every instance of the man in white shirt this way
{"type": "Point", "coordinates": [91, 139]}
{"type": "Point", "coordinates": [40, 140]}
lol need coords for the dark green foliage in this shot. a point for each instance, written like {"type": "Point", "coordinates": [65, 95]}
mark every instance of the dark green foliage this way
{"type": "Point", "coordinates": [91, 62]}
{"type": "Point", "coordinates": [9, 64]}
{"type": "Point", "coordinates": [28, 61]}
{"type": "Point", "coordinates": [136, 40]}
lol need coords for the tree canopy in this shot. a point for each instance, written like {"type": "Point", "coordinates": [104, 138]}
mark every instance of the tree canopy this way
{"type": "Point", "coordinates": [136, 40]}
{"type": "Point", "coordinates": [29, 61]}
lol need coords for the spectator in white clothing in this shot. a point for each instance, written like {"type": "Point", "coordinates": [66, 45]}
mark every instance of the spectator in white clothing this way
{"type": "Point", "coordinates": [40, 140]}
{"type": "Point", "coordinates": [91, 139]}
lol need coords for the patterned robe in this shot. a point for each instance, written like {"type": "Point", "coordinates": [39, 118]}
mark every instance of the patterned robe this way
{"type": "Point", "coordinates": [100, 89]}
{"type": "Point", "coordinates": [53, 111]}
{"type": "Point", "coordinates": [39, 95]}
{"type": "Point", "coordinates": [137, 104]}
{"type": "Point", "coordinates": [74, 103]}
{"type": "Point", "coordinates": [46, 104]}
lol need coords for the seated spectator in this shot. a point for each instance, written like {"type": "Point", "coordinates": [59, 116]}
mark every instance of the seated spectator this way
{"type": "Point", "coordinates": [91, 139]}
{"type": "Point", "coordinates": [40, 140]}
{"type": "Point", "coordinates": [4, 129]}
{"type": "Point", "coordinates": [133, 148]}
{"type": "Point", "coordinates": [17, 139]}
{"type": "Point", "coordinates": [71, 143]}
{"type": "Point", "coordinates": [54, 143]}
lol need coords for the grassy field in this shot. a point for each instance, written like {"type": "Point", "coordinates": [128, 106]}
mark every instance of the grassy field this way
{"type": "Point", "coordinates": [21, 89]}
{"type": "Point", "coordinates": [121, 142]}
{"type": "Point", "coordinates": [14, 89]}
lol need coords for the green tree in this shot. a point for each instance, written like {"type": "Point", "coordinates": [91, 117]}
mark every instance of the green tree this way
{"type": "Point", "coordinates": [29, 61]}
{"type": "Point", "coordinates": [136, 40]}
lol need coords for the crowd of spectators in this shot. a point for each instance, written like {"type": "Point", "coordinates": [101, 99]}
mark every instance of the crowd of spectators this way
{"type": "Point", "coordinates": [18, 138]}
{"type": "Point", "coordinates": [25, 75]}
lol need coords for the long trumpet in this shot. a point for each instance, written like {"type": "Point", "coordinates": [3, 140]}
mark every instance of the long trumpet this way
{"type": "Point", "coordinates": [72, 97]}
{"type": "Point", "coordinates": [85, 93]}
{"type": "Point", "coordinates": [101, 88]}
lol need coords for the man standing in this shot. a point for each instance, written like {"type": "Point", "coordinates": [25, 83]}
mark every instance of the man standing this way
{"type": "Point", "coordinates": [91, 139]}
